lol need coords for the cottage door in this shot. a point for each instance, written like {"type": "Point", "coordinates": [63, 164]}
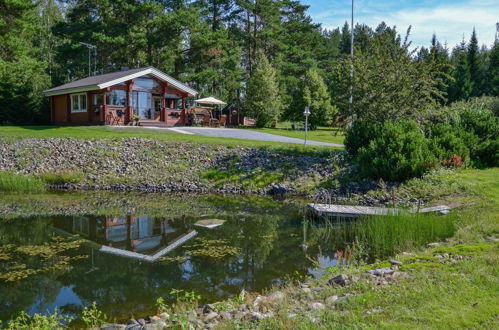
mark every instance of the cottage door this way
{"type": "Point", "coordinates": [143, 104]}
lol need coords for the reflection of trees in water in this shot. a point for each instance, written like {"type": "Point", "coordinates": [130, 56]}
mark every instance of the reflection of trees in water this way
{"type": "Point", "coordinates": [43, 288]}
{"type": "Point", "coordinates": [260, 227]}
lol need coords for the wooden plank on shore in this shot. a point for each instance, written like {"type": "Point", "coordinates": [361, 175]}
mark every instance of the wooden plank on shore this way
{"type": "Point", "coordinates": [353, 211]}
{"type": "Point", "coordinates": [350, 211]}
{"type": "Point", "coordinates": [444, 209]}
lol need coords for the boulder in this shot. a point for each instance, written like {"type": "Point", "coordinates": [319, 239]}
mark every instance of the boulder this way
{"type": "Point", "coordinates": [341, 280]}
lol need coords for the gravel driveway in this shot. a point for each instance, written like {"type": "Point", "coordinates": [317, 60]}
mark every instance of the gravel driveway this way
{"type": "Point", "coordinates": [232, 133]}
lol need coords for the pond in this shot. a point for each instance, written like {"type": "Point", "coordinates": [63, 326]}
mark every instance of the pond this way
{"type": "Point", "coordinates": [124, 251]}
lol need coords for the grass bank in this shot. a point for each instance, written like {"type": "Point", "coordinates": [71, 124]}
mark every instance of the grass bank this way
{"type": "Point", "coordinates": [11, 182]}
{"type": "Point", "coordinates": [105, 132]}
{"type": "Point", "coordinates": [321, 134]}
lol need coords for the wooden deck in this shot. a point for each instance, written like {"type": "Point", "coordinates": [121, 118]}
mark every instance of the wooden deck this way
{"type": "Point", "coordinates": [350, 211]}
{"type": "Point", "coordinates": [353, 211]}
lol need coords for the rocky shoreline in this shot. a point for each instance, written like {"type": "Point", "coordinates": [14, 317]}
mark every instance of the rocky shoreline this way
{"type": "Point", "coordinates": [146, 165]}
{"type": "Point", "coordinates": [302, 299]}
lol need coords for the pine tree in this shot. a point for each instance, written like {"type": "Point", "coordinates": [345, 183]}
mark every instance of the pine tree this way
{"type": "Point", "coordinates": [473, 64]}
{"type": "Point", "coordinates": [22, 68]}
{"type": "Point", "coordinates": [346, 39]}
{"type": "Point", "coordinates": [263, 100]}
{"type": "Point", "coordinates": [315, 95]}
{"type": "Point", "coordinates": [462, 87]}
{"type": "Point", "coordinates": [494, 69]}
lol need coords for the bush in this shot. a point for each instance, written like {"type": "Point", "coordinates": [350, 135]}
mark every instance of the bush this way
{"type": "Point", "coordinates": [62, 177]}
{"type": "Point", "coordinates": [447, 141]}
{"type": "Point", "coordinates": [11, 182]}
{"type": "Point", "coordinates": [359, 135]}
{"type": "Point", "coordinates": [39, 322]}
{"type": "Point", "coordinates": [399, 151]}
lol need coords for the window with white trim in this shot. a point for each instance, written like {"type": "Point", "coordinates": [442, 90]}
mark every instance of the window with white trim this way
{"type": "Point", "coordinates": [78, 102]}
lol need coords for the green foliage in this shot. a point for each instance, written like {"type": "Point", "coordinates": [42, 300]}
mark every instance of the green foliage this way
{"type": "Point", "coordinates": [161, 305]}
{"type": "Point", "coordinates": [182, 296]}
{"type": "Point", "coordinates": [399, 152]}
{"type": "Point", "coordinates": [263, 100]}
{"type": "Point", "coordinates": [314, 94]}
{"type": "Point", "coordinates": [447, 140]}
{"type": "Point", "coordinates": [62, 177]}
{"type": "Point", "coordinates": [360, 135]}
{"type": "Point", "coordinates": [11, 182]}
{"type": "Point", "coordinates": [22, 66]}
{"type": "Point", "coordinates": [92, 316]}
{"type": "Point", "coordinates": [39, 322]}
{"type": "Point", "coordinates": [388, 84]}
{"type": "Point", "coordinates": [478, 120]}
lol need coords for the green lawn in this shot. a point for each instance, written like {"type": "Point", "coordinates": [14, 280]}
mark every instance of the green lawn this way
{"type": "Point", "coordinates": [96, 132]}
{"type": "Point", "coordinates": [321, 134]}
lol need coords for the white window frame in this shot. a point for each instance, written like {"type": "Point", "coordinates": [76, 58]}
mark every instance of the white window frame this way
{"type": "Point", "coordinates": [79, 103]}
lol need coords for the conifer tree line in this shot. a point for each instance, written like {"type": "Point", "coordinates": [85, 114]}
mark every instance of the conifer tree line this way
{"type": "Point", "coordinates": [268, 51]}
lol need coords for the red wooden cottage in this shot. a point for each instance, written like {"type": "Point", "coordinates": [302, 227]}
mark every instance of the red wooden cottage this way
{"type": "Point", "coordinates": [115, 98]}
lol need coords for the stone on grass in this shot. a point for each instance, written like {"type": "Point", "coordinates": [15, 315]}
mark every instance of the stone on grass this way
{"type": "Point", "coordinates": [331, 300]}
{"type": "Point", "coordinates": [164, 316]}
{"type": "Point", "coordinates": [341, 280]}
{"type": "Point", "coordinates": [276, 296]}
{"type": "Point", "coordinates": [395, 262]}
{"type": "Point", "coordinates": [317, 306]}
{"type": "Point", "coordinates": [210, 316]}
{"type": "Point", "coordinates": [113, 326]}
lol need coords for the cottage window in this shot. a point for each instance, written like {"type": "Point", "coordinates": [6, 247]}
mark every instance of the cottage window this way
{"type": "Point", "coordinates": [98, 99]}
{"type": "Point", "coordinates": [79, 103]}
{"type": "Point", "coordinates": [116, 98]}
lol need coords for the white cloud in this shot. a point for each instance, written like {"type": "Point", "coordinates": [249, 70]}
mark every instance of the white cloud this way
{"type": "Point", "coordinates": [450, 22]}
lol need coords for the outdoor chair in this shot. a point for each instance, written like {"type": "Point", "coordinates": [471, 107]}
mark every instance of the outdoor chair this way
{"type": "Point", "coordinates": [222, 121]}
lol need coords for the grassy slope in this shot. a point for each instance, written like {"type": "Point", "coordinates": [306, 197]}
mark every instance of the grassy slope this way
{"type": "Point", "coordinates": [96, 132]}
{"type": "Point", "coordinates": [459, 295]}
{"type": "Point", "coordinates": [322, 134]}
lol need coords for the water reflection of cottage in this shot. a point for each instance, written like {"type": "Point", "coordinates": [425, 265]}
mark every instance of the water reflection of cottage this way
{"type": "Point", "coordinates": [138, 234]}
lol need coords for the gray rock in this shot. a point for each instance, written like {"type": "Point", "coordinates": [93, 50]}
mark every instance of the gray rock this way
{"type": "Point", "coordinates": [276, 296]}
{"type": "Point", "coordinates": [255, 316]}
{"type": "Point", "coordinates": [317, 306]}
{"type": "Point", "coordinates": [226, 315]}
{"type": "Point", "coordinates": [164, 316]}
{"type": "Point", "coordinates": [208, 308]}
{"type": "Point", "coordinates": [395, 262]}
{"type": "Point", "coordinates": [113, 326]}
{"type": "Point", "coordinates": [331, 300]}
{"type": "Point", "coordinates": [210, 316]}
{"type": "Point", "coordinates": [341, 280]}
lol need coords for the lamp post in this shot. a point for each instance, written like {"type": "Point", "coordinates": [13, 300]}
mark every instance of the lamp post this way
{"type": "Point", "coordinates": [306, 113]}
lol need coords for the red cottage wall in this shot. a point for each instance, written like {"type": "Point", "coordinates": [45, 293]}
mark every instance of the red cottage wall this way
{"type": "Point", "coordinates": [59, 109]}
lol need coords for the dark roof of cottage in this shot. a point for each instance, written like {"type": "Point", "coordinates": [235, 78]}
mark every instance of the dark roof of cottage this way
{"type": "Point", "coordinates": [95, 81]}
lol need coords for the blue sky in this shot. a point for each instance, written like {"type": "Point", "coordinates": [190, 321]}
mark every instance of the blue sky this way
{"type": "Point", "coordinates": [450, 20]}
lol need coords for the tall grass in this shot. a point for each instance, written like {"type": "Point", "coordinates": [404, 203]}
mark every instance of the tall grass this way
{"type": "Point", "coordinates": [62, 176]}
{"type": "Point", "coordinates": [382, 236]}
{"type": "Point", "coordinates": [11, 182]}
{"type": "Point", "coordinates": [388, 235]}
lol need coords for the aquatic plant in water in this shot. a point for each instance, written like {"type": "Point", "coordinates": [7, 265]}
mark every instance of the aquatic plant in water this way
{"type": "Point", "coordinates": [212, 248]}
{"type": "Point", "coordinates": [20, 262]}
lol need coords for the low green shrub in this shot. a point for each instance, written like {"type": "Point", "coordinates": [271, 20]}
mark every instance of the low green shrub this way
{"type": "Point", "coordinates": [400, 151]}
{"type": "Point", "coordinates": [359, 135]}
{"type": "Point", "coordinates": [38, 322]}
{"type": "Point", "coordinates": [62, 176]}
{"type": "Point", "coordinates": [447, 141]}
{"type": "Point", "coordinates": [11, 182]}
